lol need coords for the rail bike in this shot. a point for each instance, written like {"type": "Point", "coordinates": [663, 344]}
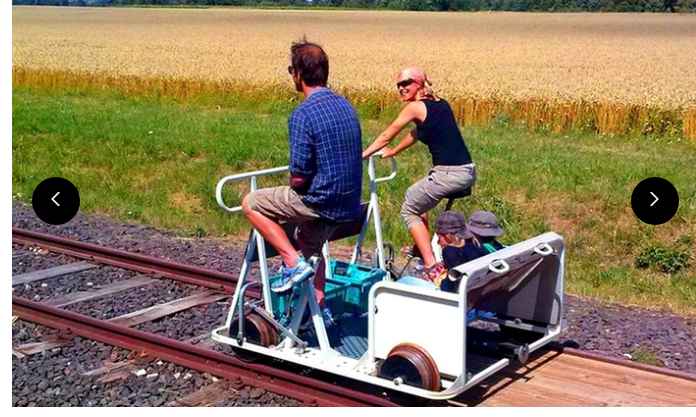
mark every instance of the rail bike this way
{"type": "Point", "coordinates": [410, 339]}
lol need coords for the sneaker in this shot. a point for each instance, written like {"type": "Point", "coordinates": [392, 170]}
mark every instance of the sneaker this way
{"type": "Point", "coordinates": [485, 314]}
{"type": "Point", "coordinates": [435, 273]}
{"type": "Point", "coordinates": [293, 276]}
{"type": "Point", "coordinates": [475, 314]}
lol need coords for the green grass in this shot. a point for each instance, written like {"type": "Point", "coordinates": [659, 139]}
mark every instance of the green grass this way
{"type": "Point", "coordinates": [157, 161]}
{"type": "Point", "coordinates": [646, 356]}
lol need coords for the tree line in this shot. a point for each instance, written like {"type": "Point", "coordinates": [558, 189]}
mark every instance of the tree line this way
{"type": "Point", "coordinates": [422, 5]}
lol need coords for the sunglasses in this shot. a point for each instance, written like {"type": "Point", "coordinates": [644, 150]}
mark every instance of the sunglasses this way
{"type": "Point", "coordinates": [404, 83]}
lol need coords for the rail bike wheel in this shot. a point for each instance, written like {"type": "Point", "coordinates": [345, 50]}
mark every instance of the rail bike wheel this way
{"type": "Point", "coordinates": [412, 365]}
{"type": "Point", "coordinates": [257, 331]}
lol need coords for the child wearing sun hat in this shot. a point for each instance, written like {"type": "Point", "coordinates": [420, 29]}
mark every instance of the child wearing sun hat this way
{"type": "Point", "coordinates": [484, 227]}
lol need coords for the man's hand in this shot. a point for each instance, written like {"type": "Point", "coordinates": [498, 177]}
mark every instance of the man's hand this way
{"type": "Point", "coordinates": [299, 183]}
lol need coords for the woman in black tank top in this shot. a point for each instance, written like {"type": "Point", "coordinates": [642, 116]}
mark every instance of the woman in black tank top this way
{"type": "Point", "coordinates": [453, 170]}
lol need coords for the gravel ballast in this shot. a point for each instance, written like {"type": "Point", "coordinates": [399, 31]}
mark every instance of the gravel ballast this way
{"type": "Point", "coordinates": [60, 377]}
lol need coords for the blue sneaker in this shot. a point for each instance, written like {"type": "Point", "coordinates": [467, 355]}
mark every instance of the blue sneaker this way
{"type": "Point", "coordinates": [486, 314]}
{"type": "Point", "coordinates": [474, 314]}
{"type": "Point", "coordinates": [293, 276]}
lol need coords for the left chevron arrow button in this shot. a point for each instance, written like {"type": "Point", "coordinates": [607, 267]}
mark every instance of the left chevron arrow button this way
{"type": "Point", "coordinates": [55, 200]}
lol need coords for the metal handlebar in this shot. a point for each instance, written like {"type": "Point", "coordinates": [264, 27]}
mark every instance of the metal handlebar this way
{"type": "Point", "coordinates": [238, 177]}
{"type": "Point", "coordinates": [371, 170]}
{"type": "Point", "coordinates": [255, 174]}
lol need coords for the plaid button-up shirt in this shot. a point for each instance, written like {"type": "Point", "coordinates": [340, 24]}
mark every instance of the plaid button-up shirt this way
{"type": "Point", "coordinates": [326, 147]}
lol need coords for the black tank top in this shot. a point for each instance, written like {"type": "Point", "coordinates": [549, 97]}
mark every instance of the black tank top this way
{"type": "Point", "coordinates": [441, 134]}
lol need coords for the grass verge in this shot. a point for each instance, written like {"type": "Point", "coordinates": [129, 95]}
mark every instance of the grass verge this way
{"type": "Point", "coordinates": [156, 161]}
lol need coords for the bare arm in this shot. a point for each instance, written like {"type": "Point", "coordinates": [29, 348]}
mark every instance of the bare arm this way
{"type": "Point", "coordinates": [410, 113]}
{"type": "Point", "coordinates": [405, 143]}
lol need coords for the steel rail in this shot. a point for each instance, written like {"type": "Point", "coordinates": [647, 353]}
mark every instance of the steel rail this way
{"type": "Point", "coordinates": [133, 261]}
{"type": "Point", "coordinates": [305, 389]}
{"type": "Point", "coordinates": [629, 364]}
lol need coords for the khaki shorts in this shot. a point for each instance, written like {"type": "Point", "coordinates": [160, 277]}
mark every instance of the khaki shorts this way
{"type": "Point", "coordinates": [442, 180]}
{"type": "Point", "coordinates": [283, 204]}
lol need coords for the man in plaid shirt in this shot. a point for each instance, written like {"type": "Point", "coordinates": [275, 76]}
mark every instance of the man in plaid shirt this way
{"type": "Point", "coordinates": [325, 172]}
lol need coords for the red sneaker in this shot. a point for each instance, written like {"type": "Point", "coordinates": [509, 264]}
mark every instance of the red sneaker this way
{"type": "Point", "coordinates": [435, 273]}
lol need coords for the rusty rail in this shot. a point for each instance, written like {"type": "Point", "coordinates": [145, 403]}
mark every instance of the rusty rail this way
{"type": "Point", "coordinates": [308, 390]}
{"type": "Point", "coordinates": [123, 259]}
{"type": "Point", "coordinates": [305, 389]}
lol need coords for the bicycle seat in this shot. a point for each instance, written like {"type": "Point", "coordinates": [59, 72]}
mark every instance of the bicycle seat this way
{"type": "Point", "coordinates": [459, 194]}
{"type": "Point", "coordinates": [451, 198]}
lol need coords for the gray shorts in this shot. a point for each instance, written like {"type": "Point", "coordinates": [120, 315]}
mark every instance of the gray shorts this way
{"type": "Point", "coordinates": [283, 204]}
{"type": "Point", "coordinates": [442, 180]}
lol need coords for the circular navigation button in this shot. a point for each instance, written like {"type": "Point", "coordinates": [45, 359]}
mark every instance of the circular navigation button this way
{"type": "Point", "coordinates": [655, 200]}
{"type": "Point", "coordinates": [55, 200]}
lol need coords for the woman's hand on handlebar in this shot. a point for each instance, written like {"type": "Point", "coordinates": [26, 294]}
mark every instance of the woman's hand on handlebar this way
{"type": "Point", "coordinates": [387, 153]}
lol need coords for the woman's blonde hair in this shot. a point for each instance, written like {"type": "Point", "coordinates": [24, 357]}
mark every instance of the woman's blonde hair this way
{"type": "Point", "coordinates": [428, 89]}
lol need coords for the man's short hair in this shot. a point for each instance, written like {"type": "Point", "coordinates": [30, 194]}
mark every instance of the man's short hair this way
{"type": "Point", "coordinates": [310, 62]}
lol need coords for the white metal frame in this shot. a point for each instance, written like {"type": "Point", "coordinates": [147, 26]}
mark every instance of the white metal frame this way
{"type": "Point", "coordinates": [373, 212]}
{"type": "Point", "coordinates": [472, 272]}
{"type": "Point", "coordinates": [365, 368]}
{"type": "Point", "coordinates": [256, 245]}
{"type": "Point", "coordinates": [256, 242]}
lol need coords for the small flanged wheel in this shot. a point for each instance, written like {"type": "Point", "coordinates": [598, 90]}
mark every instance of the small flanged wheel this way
{"type": "Point", "coordinates": [257, 331]}
{"type": "Point", "coordinates": [410, 364]}
{"type": "Point", "coordinates": [523, 353]}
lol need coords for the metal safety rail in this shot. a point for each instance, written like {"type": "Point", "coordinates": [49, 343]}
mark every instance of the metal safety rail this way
{"type": "Point", "coordinates": [253, 186]}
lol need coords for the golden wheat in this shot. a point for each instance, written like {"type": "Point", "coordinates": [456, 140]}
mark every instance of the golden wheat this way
{"type": "Point", "coordinates": [608, 72]}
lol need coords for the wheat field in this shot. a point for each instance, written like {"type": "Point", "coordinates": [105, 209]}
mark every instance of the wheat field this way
{"type": "Point", "coordinates": [608, 72]}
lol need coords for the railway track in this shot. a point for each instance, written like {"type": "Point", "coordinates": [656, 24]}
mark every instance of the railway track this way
{"type": "Point", "coordinates": [562, 376]}
{"type": "Point", "coordinates": [303, 388]}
